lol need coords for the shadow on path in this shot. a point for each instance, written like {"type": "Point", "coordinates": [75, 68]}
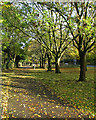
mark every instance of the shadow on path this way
{"type": "Point", "coordinates": [35, 87]}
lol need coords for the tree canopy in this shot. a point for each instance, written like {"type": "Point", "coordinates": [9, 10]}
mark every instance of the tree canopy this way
{"type": "Point", "coordinates": [54, 26]}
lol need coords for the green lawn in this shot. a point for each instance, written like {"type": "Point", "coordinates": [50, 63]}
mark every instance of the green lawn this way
{"type": "Point", "coordinates": [65, 85]}
{"type": "Point", "coordinates": [78, 94]}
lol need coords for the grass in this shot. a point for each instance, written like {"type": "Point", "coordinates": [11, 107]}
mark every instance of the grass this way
{"type": "Point", "coordinates": [81, 95]}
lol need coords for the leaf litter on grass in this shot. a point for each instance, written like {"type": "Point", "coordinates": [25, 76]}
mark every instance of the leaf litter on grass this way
{"type": "Point", "coordinates": [24, 96]}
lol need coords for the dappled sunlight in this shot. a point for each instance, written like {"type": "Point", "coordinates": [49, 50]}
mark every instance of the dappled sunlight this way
{"type": "Point", "coordinates": [18, 76]}
{"type": "Point", "coordinates": [47, 59]}
{"type": "Point", "coordinates": [37, 93]}
{"type": "Point", "coordinates": [3, 77]}
{"type": "Point", "coordinates": [5, 73]}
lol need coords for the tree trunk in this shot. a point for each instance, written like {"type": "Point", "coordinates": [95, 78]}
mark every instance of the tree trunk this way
{"type": "Point", "coordinates": [13, 64]}
{"type": "Point", "coordinates": [17, 59]}
{"type": "Point", "coordinates": [49, 62]}
{"type": "Point", "coordinates": [82, 67]}
{"type": "Point", "coordinates": [57, 62]}
{"type": "Point", "coordinates": [8, 61]}
{"type": "Point", "coordinates": [4, 62]}
{"type": "Point", "coordinates": [17, 65]}
{"type": "Point", "coordinates": [42, 63]}
{"type": "Point", "coordinates": [7, 64]}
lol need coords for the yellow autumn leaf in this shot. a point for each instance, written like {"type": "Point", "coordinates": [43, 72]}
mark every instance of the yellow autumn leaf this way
{"type": "Point", "coordinates": [57, 106]}
{"type": "Point", "coordinates": [52, 111]}
{"type": "Point", "coordinates": [37, 115]}
{"type": "Point", "coordinates": [45, 113]}
{"type": "Point", "coordinates": [54, 117]}
{"type": "Point", "coordinates": [14, 111]}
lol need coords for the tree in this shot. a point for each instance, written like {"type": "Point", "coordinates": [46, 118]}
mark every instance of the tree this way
{"type": "Point", "coordinates": [82, 27]}
{"type": "Point", "coordinates": [29, 24]}
{"type": "Point", "coordinates": [12, 42]}
{"type": "Point", "coordinates": [36, 53]}
{"type": "Point", "coordinates": [11, 48]}
{"type": "Point", "coordinates": [55, 36]}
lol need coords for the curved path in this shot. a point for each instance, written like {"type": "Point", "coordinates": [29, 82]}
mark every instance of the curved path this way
{"type": "Point", "coordinates": [34, 100]}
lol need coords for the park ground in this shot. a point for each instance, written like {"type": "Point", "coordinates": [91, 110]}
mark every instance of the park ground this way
{"type": "Point", "coordinates": [29, 93]}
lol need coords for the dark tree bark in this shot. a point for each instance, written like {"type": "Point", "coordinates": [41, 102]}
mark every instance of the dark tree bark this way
{"type": "Point", "coordinates": [17, 61]}
{"type": "Point", "coordinates": [7, 64]}
{"type": "Point", "coordinates": [17, 65]}
{"type": "Point", "coordinates": [41, 62]}
{"type": "Point", "coordinates": [82, 66]}
{"type": "Point", "coordinates": [49, 62]}
{"type": "Point", "coordinates": [8, 59]}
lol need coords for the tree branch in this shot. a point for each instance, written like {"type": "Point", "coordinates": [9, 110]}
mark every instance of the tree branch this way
{"type": "Point", "coordinates": [90, 46]}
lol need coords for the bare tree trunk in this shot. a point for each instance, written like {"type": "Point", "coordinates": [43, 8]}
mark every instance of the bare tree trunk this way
{"type": "Point", "coordinates": [82, 66]}
{"type": "Point", "coordinates": [7, 64]}
{"type": "Point", "coordinates": [13, 64]}
{"type": "Point", "coordinates": [57, 64]}
{"type": "Point", "coordinates": [49, 62]}
{"type": "Point", "coordinates": [17, 65]}
{"type": "Point", "coordinates": [17, 59]}
{"type": "Point", "coordinates": [8, 61]}
{"type": "Point", "coordinates": [42, 63]}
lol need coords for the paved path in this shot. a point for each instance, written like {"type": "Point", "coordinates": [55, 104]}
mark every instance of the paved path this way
{"type": "Point", "coordinates": [33, 100]}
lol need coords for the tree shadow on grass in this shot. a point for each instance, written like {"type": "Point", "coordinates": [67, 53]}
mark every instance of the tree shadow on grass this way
{"type": "Point", "coordinates": [35, 86]}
